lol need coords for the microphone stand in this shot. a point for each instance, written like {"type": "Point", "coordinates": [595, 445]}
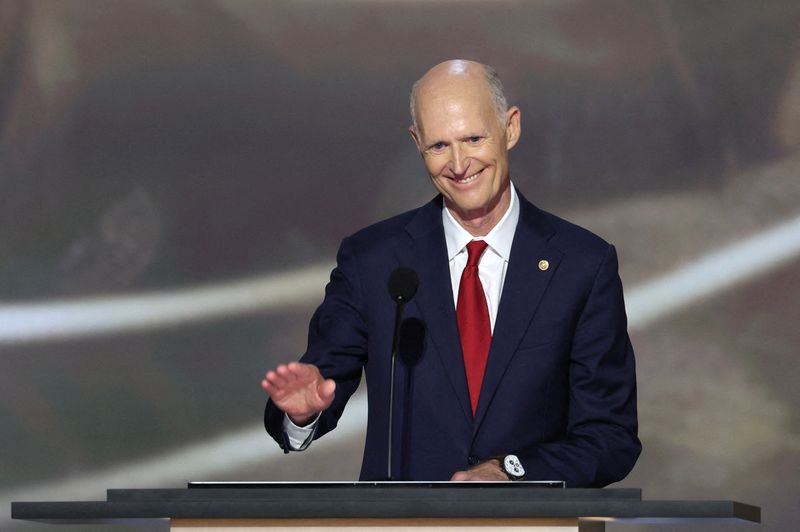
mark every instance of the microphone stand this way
{"type": "Point", "coordinates": [403, 283]}
{"type": "Point", "coordinates": [398, 314]}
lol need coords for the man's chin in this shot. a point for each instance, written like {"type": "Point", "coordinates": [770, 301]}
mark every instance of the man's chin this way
{"type": "Point", "coordinates": [468, 212]}
{"type": "Point", "coordinates": [468, 204]}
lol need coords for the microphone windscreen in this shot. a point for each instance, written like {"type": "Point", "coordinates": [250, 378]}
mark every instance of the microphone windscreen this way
{"type": "Point", "coordinates": [403, 283]}
{"type": "Point", "coordinates": [411, 344]}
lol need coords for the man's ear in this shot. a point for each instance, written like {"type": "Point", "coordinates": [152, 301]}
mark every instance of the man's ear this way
{"type": "Point", "coordinates": [415, 135]}
{"type": "Point", "coordinates": [513, 127]}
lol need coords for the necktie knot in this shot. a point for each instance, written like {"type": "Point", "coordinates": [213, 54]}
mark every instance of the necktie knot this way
{"type": "Point", "coordinates": [474, 251]}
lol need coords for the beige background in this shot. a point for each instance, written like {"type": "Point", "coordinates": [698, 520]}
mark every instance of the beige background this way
{"type": "Point", "coordinates": [194, 164]}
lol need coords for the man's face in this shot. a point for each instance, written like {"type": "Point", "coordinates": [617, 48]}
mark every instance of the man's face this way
{"type": "Point", "coordinates": [465, 147]}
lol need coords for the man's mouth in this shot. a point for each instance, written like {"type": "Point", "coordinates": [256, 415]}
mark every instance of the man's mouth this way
{"type": "Point", "coordinates": [468, 179]}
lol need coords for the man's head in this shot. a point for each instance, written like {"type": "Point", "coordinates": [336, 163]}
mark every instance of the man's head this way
{"type": "Point", "coordinates": [463, 131]}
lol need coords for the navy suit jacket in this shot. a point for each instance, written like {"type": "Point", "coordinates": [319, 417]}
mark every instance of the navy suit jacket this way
{"type": "Point", "coordinates": [560, 386]}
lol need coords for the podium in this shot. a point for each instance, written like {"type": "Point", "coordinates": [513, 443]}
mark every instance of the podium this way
{"type": "Point", "coordinates": [384, 506]}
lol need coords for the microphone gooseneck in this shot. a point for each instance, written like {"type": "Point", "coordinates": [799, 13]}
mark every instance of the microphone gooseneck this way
{"type": "Point", "coordinates": [403, 283]}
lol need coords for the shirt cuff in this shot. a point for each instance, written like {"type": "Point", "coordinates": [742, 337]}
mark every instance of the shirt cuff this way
{"type": "Point", "coordinates": [299, 438]}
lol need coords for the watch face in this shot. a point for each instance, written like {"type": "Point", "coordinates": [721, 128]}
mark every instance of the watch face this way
{"type": "Point", "coordinates": [513, 466]}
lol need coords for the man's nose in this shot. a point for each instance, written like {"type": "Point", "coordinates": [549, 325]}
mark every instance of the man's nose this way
{"type": "Point", "coordinates": [458, 162]}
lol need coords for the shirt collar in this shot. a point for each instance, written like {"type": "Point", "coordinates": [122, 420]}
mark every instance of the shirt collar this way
{"type": "Point", "coordinates": [499, 238]}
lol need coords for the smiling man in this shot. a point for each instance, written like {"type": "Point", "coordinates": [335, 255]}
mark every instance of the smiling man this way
{"type": "Point", "coordinates": [526, 369]}
{"type": "Point", "coordinates": [464, 135]}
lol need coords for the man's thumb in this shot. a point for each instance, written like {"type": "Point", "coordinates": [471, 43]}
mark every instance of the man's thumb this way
{"type": "Point", "coordinates": [327, 389]}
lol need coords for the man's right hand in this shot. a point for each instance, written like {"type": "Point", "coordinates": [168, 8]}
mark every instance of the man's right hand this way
{"type": "Point", "coordinates": [299, 390]}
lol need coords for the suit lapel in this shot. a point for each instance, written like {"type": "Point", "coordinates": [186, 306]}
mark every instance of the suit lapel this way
{"type": "Point", "coordinates": [524, 285]}
{"type": "Point", "coordinates": [426, 253]}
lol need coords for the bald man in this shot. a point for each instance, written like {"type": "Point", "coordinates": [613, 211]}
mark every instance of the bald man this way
{"type": "Point", "coordinates": [527, 370]}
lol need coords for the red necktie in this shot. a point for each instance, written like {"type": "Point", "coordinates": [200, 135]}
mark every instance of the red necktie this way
{"type": "Point", "coordinates": [473, 322]}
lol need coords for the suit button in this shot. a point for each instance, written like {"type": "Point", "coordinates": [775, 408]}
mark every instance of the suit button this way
{"type": "Point", "coordinates": [473, 460]}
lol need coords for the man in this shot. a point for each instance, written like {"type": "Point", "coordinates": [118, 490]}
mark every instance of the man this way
{"type": "Point", "coordinates": [534, 373]}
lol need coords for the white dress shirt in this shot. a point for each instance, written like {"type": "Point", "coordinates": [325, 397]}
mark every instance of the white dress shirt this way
{"type": "Point", "coordinates": [494, 261]}
{"type": "Point", "coordinates": [492, 269]}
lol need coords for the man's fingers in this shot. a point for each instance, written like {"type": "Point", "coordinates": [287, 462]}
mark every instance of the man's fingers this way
{"type": "Point", "coordinates": [304, 371]}
{"type": "Point", "coordinates": [326, 390]}
{"type": "Point", "coordinates": [286, 373]}
{"type": "Point", "coordinates": [270, 388]}
{"type": "Point", "coordinates": [296, 367]}
{"type": "Point", "coordinates": [276, 379]}
{"type": "Point", "coordinates": [468, 476]}
{"type": "Point", "coordinates": [296, 371]}
{"type": "Point", "coordinates": [299, 389]}
{"type": "Point", "coordinates": [488, 471]}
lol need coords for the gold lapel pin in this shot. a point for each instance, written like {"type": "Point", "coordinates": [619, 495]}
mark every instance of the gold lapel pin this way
{"type": "Point", "coordinates": [543, 265]}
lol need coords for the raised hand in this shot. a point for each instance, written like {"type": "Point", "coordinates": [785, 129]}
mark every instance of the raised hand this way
{"type": "Point", "coordinates": [299, 390]}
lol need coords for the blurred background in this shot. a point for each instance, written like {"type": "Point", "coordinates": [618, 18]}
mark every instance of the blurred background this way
{"type": "Point", "coordinates": [176, 176]}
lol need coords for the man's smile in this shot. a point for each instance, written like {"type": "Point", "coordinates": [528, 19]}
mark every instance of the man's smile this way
{"type": "Point", "coordinates": [467, 179]}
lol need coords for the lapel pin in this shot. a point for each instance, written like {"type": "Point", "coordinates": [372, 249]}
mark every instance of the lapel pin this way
{"type": "Point", "coordinates": [543, 265]}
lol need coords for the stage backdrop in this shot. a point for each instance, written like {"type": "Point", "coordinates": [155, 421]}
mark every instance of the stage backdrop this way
{"type": "Point", "coordinates": [176, 176]}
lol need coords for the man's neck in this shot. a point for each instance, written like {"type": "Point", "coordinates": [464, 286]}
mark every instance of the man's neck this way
{"type": "Point", "coordinates": [481, 224]}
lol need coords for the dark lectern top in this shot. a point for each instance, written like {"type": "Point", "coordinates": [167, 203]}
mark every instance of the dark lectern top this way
{"type": "Point", "coordinates": [379, 500]}
{"type": "Point", "coordinates": [372, 484]}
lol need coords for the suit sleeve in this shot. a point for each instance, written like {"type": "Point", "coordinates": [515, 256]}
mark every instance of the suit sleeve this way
{"type": "Point", "coordinates": [337, 344]}
{"type": "Point", "coordinates": [600, 444]}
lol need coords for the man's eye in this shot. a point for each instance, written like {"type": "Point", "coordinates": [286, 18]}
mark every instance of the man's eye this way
{"type": "Point", "coordinates": [474, 140]}
{"type": "Point", "coordinates": [439, 146]}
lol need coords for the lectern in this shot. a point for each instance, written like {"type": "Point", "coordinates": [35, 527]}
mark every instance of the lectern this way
{"type": "Point", "coordinates": [380, 506]}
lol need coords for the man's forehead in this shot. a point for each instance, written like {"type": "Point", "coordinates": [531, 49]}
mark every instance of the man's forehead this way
{"type": "Point", "coordinates": [455, 117]}
{"type": "Point", "coordinates": [446, 91]}
{"type": "Point", "coordinates": [453, 98]}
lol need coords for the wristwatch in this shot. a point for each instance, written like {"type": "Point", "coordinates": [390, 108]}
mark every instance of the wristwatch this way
{"type": "Point", "coordinates": [512, 467]}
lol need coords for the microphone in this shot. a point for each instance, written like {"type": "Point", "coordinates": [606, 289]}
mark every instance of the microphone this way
{"type": "Point", "coordinates": [403, 283]}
